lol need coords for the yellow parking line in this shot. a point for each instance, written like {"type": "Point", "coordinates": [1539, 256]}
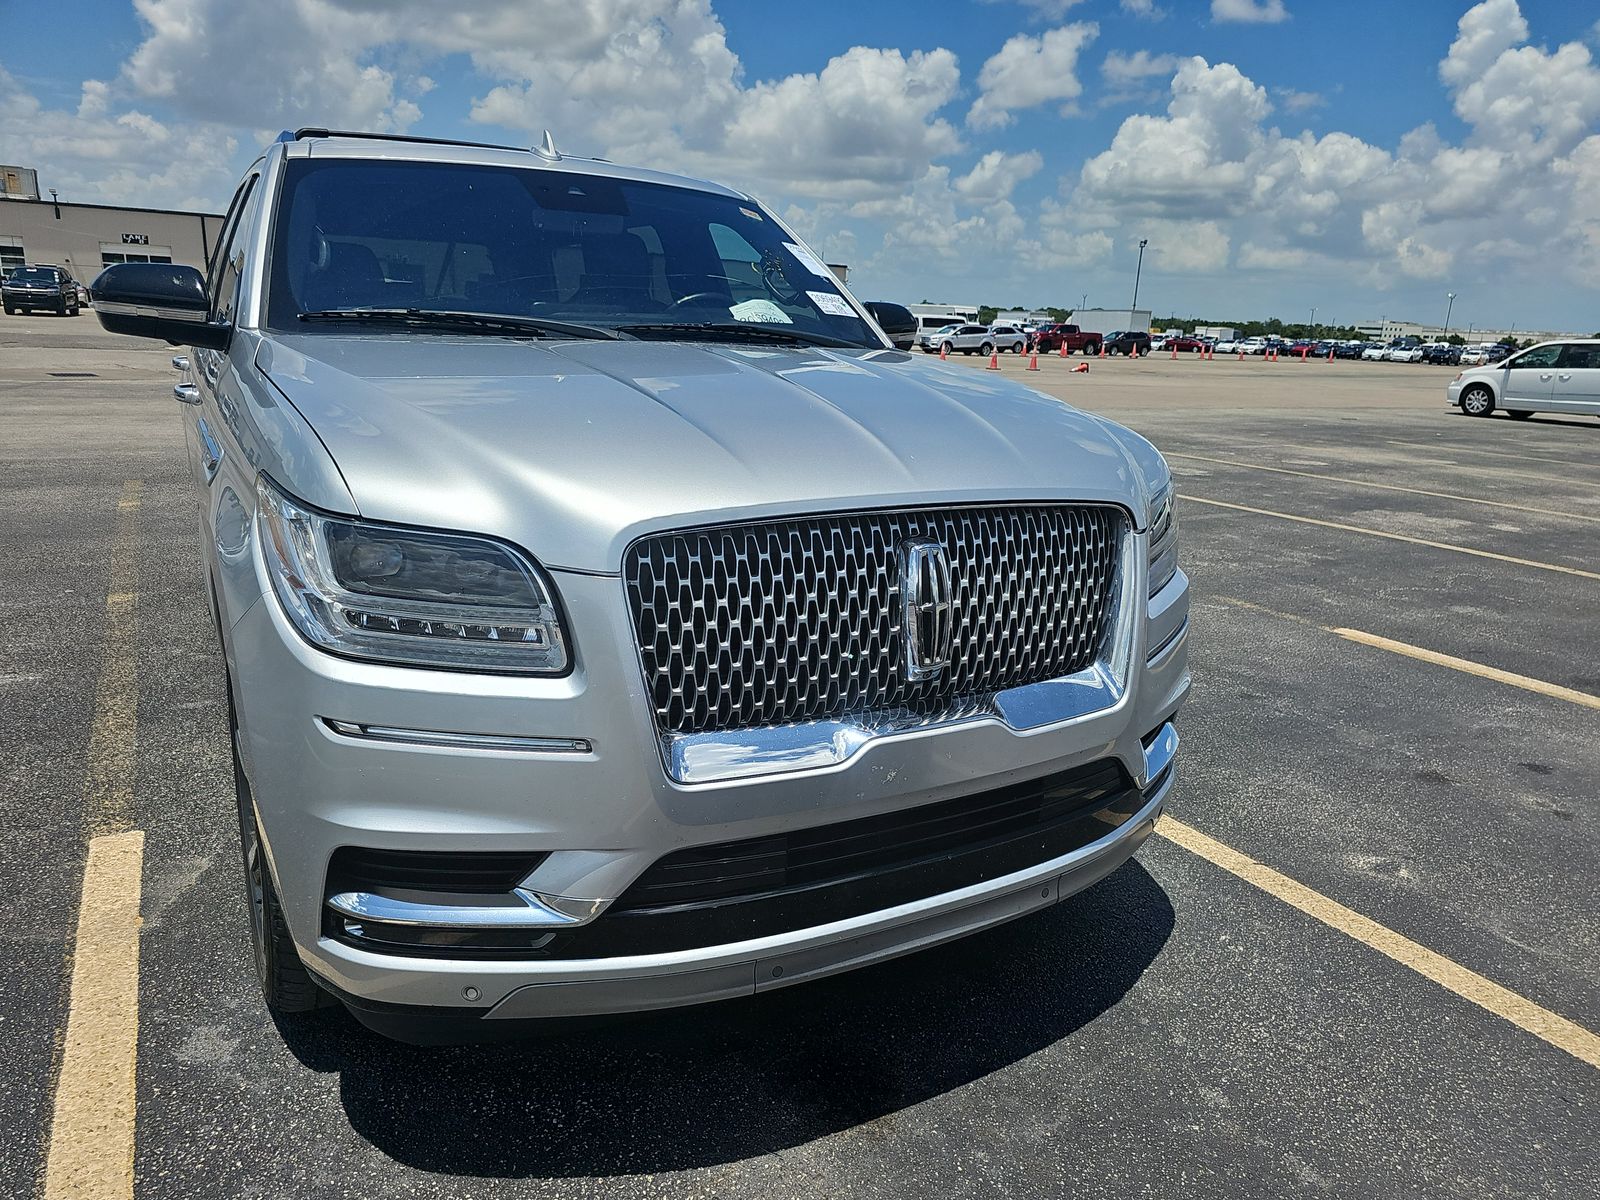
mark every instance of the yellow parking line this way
{"type": "Point", "coordinates": [1395, 537]}
{"type": "Point", "coordinates": [1466, 665]}
{"type": "Point", "coordinates": [90, 1156]}
{"type": "Point", "coordinates": [112, 739]}
{"type": "Point", "coordinates": [1389, 487]}
{"type": "Point", "coordinates": [1559, 1032]}
{"type": "Point", "coordinates": [1452, 449]}
{"type": "Point", "coordinates": [91, 1132]}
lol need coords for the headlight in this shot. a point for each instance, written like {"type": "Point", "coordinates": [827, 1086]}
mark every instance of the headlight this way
{"type": "Point", "coordinates": [408, 595]}
{"type": "Point", "coordinates": [1163, 540]}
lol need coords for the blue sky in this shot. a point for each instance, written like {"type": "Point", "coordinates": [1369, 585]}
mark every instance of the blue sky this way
{"type": "Point", "coordinates": [1359, 156]}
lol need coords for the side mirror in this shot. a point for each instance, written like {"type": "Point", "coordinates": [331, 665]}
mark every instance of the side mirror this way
{"type": "Point", "coordinates": [896, 320]}
{"type": "Point", "coordinates": [158, 300]}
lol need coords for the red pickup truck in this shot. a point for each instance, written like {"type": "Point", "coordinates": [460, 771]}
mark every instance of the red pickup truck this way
{"type": "Point", "coordinates": [1050, 338]}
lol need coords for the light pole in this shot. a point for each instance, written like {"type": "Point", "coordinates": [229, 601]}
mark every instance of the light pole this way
{"type": "Point", "coordinates": [1448, 308]}
{"type": "Point", "coordinates": [1313, 320]}
{"type": "Point", "coordinates": [1143, 242]}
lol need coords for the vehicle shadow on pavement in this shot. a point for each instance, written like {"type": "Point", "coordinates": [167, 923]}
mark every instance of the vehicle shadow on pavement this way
{"type": "Point", "coordinates": [700, 1087]}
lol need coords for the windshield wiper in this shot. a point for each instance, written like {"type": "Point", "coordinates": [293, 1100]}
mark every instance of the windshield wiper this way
{"type": "Point", "coordinates": [744, 331]}
{"type": "Point", "coordinates": [443, 318]}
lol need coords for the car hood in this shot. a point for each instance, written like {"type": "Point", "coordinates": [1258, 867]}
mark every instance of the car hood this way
{"type": "Point", "coordinates": [574, 449]}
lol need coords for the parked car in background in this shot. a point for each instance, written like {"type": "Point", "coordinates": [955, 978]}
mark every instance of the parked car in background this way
{"type": "Point", "coordinates": [929, 339]}
{"type": "Point", "coordinates": [1128, 342]}
{"type": "Point", "coordinates": [1405, 354]}
{"type": "Point", "coordinates": [1441, 354]}
{"type": "Point", "coordinates": [1229, 346]}
{"type": "Point", "coordinates": [1349, 349]}
{"type": "Point", "coordinates": [1559, 377]}
{"type": "Point", "coordinates": [475, 575]}
{"type": "Point", "coordinates": [1373, 352]}
{"type": "Point", "coordinates": [1003, 338]}
{"type": "Point", "coordinates": [1050, 339]}
{"type": "Point", "coordinates": [48, 289]}
{"type": "Point", "coordinates": [966, 338]}
{"type": "Point", "coordinates": [1182, 342]}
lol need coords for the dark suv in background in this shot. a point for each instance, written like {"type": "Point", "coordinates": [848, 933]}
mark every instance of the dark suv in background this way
{"type": "Point", "coordinates": [29, 288]}
{"type": "Point", "coordinates": [1127, 342]}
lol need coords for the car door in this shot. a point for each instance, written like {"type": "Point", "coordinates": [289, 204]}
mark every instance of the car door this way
{"type": "Point", "coordinates": [1577, 383]}
{"type": "Point", "coordinates": [1527, 379]}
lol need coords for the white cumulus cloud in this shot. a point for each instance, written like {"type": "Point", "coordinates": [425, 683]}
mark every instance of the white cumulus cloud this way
{"type": "Point", "coordinates": [1261, 12]}
{"type": "Point", "coordinates": [1028, 71]}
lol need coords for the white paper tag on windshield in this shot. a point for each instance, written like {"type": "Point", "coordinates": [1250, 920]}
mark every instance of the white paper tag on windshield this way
{"type": "Point", "coordinates": [832, 304]}
{"type": "Point", "coordinates": [760, 310]}
{"type": "Point", "coordinates": [808, 260]}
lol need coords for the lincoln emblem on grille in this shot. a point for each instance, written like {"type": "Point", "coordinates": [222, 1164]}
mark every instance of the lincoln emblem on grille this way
{"type": "Point", "coordinates": [928, 607]}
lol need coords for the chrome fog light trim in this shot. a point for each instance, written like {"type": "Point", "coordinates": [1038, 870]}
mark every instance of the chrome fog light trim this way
{"type": "Point", "coordinates": [520, 909]}
{"type": "Point", "coordinates": [459, 741]}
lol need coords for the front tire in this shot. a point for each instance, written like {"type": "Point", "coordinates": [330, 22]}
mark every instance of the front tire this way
{"type": "Point", "coordinates": [1477, 401]}
{"type": "Point", "coordinates": [285, 984]}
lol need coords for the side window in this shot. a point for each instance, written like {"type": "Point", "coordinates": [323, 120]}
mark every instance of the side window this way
{"type": "Point", "coordinates": [226, 263]}
{"type": "Point", "coordinates": [1539, 356]}
{"type": "Point", "coordinates": [1581, 358]}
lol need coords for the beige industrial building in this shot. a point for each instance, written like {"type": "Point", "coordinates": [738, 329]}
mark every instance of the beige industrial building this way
{"type": "Point", "coordinates": [83, 238]}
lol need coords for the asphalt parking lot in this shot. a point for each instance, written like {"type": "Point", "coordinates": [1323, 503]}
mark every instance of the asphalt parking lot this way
{"type": "Point", "coordinates": [1366, 963]}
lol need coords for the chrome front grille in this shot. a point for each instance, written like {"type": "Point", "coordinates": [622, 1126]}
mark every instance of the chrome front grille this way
{"type": "Point", "coordinates": [784, 621]}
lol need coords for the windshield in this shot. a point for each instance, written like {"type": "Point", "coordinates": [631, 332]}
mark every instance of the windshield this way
{"type": "Point", "coordinates": [539, 243]}
{"type": "Point", "coordinates": [33, 275]}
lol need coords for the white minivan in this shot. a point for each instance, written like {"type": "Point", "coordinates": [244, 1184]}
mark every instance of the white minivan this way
{"type": "Point", "coordinates": [1556, 377]}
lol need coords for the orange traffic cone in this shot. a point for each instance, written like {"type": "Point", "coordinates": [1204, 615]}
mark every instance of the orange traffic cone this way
{"type": "Point", "coordinates": [1063, 347]}
{"type": "Point", "coordinates": [1330, 353]}
{"type": "Point", "coordinates": [1033, 361]}
{"type": "Point", "coordinates": [1174, 352]}
{"type": "Point", "coordinates": [1081, 369]}
{"type": "Point", "coordinates": [943, 353]}
{"type": "Point", "coordinates": [1102, 349]}
{"type": "Point", "coordinates": [994, 361]}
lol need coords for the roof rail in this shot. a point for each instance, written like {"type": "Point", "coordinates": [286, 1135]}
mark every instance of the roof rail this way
{"type": "Point", "coordinates": [317, 132]}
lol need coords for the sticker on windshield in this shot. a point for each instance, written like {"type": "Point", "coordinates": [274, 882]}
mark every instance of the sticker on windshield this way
{"type": "Point", "coordinates": [808, 260]}
{"type": "Point", "coordinates": [760, 310]}
{"type": "Point", "coordinates": [833, 305]}
{"type": "Point", "coordinates": [751, 213]}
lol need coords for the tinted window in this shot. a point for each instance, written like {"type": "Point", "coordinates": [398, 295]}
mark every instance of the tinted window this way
{"type": "Point", "coordinates": [529, 241]}
{"type": "Point", "coordinates": [1539, 356]}
{"type": "Point", "coordinates": [35, 275]}
{"type": "Point", "coordinates": [225, 284]}
{"type": "Point", "coordinates": [1581, 357]}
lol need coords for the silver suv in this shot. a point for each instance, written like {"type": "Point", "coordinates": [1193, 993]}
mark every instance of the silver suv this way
{"type": "Point", "coordinates": [612, 620]}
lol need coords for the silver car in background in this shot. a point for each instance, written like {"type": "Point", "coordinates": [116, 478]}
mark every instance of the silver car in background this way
{"type": "Point", "coordinates": [612, 620]}
{"type": "Point", "coordinates": [1554, 377]}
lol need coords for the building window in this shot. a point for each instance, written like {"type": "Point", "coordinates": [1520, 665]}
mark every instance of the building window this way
{"type": "Point", "coordinates": [115, 252]}
{"type": "Point", "coordinates": [12, 254]}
